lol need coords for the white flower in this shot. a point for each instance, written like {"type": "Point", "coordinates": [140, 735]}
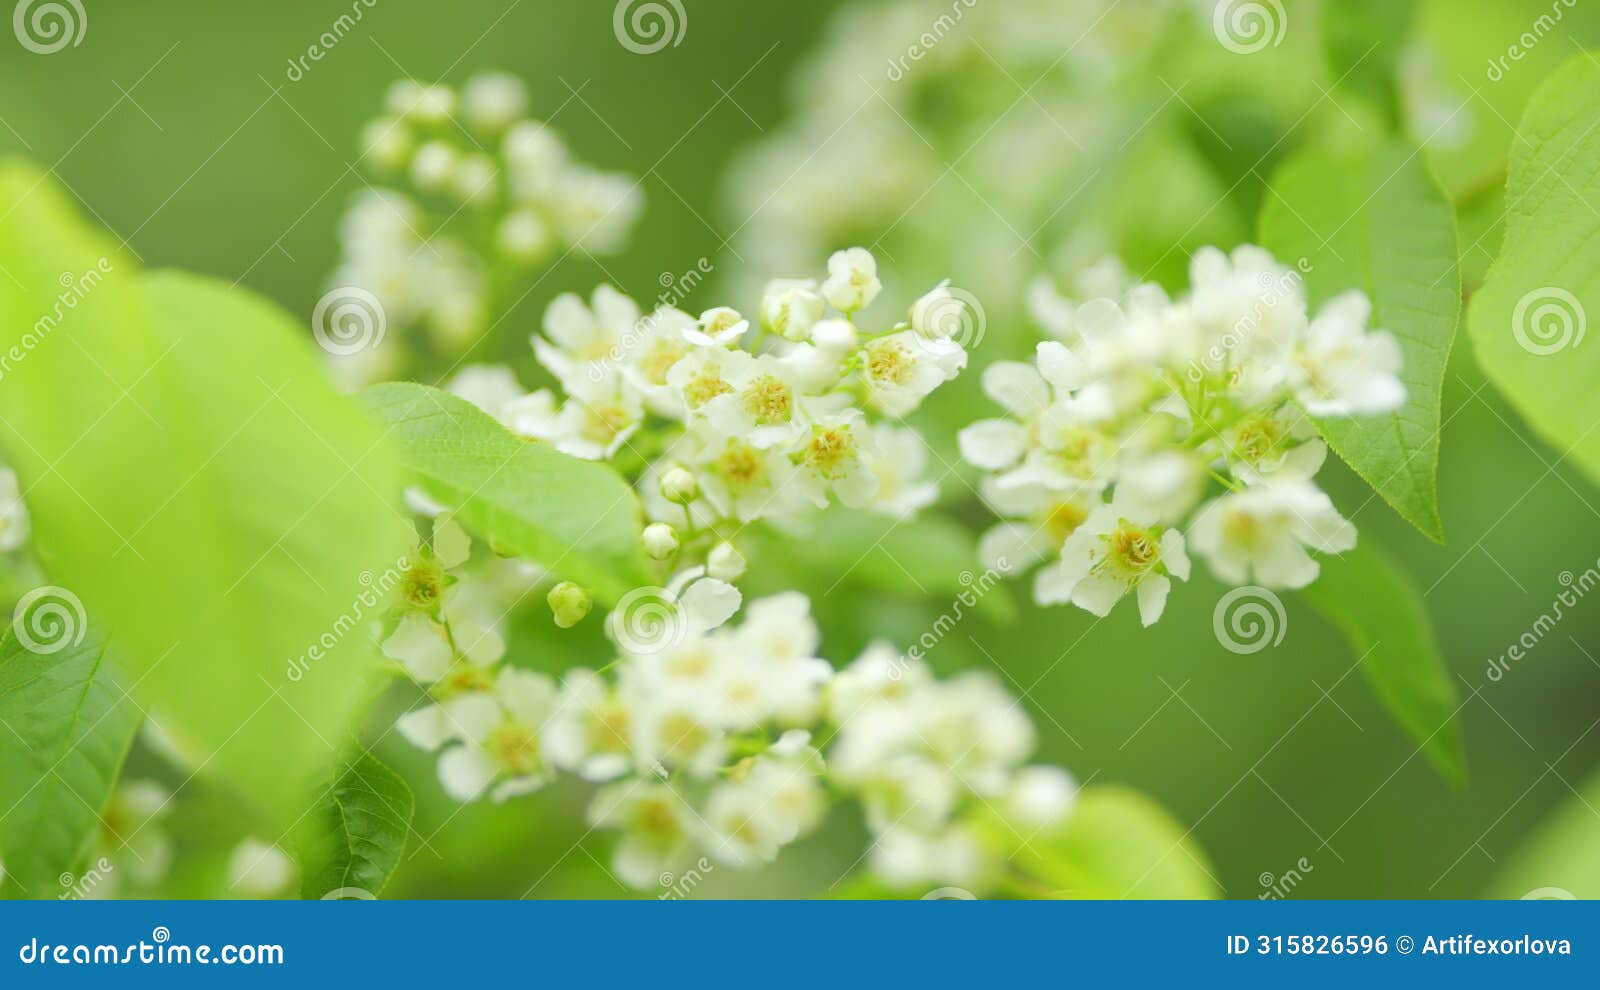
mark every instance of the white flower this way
{"type": "Point", "coordinates": [938, 313]}
{"type": "Point", "coordinates": [834, 457]}
{"type": "Point", "coordinates": [14, 521]}
{"type": "Point", "coordinates": [491, 387]}
{"type": "Point", "coordinates": [650, 351]}
{"type": "Point", "coordinates": [576, 336]}
{"type": "Point", "coordinates": [660, 541]}
{"type": "Point", "coordinates": [738, 478]}
{"type": "Point", "coordinates": [705, 374]}
{"type": "Point", "coordinates": [725, 562]}
{"type": "Point", "coordinates": [492, 736]}
{"type": "Point", "coordinates": [1111, 555]}
{"type": "Point", "coordinates": [768, 805]}
{"type": "Point", "coordinates": [762, 402]}
{"type": "Point", "coordinates": [1346, 369]}
{"type": "Point", "coordinates": [904, 368]}
{"type": "Point", "coordinates": [492, 101]}
{"type": "Point", "coordinates": [852, 281]}
{"type": "Point", "coordinates": [1040, 796]}
{"type": "Point", "coordinates": [656, 828]}
{"type": "Point", "coordinates": [434, 166]}
{"type": "Point", "coordinates": [898, 458]}
{"type": "Point", "coordinates": [780, 638]}
{"type": "Point", "coordinates": [880, 675]}
{"type": "Point", "coordinates": [523, 236]}
{"type": "Point", "coordinates": [600, 414]}
{"type": "Point", "coordinates": [386, 143]}
{"type": "Point", "coordinates": [411, 100]}
{"type": "Point", "coordinates": [1266, 531]}
{"type": "Point", "coordinates": [259, 869]}
{"type": "Point", "coordinates": [588, 732]}
{"type": "Point", "coordinates": [719, 327]}
{"type": "Point", "coordinates": [907, 859]}
{"type": "Point", "coordinates": [1047, 517]}
{"type": "Point", "coordinates": [594, 211]}
{"type": "Point", "coordinates": [791, 307]}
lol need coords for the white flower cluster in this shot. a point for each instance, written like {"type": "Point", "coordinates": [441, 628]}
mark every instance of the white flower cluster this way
{"type": "Point", "coordinates": [1139, 401]}
{"type": "Point", "coordinates": [768, 418]}
{"type": "Point", "coordinates": [707, 738]}
{"type": "Point", "coordinates": [14, 520]}
{"type": "Point", "coordinates": [473, 192]}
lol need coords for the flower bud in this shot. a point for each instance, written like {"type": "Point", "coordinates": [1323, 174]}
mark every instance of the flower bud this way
{"type": "Point", "coordinates": [791, 307]}
{"type": "Point", "coordinates": [434, 167]}
{"type": "Point", "coordinates": [660, 542]}
{"type": "Point", "coordinates": [835, 336]}
{"type": "Point", "coordinates": [523, 237]}
{"type": "Point", "coordinates": [386, 144]}
{"type": "Point", "coordinates": [569, 603]}
{"type": "Point", "coordinates": [679, 485]}
{"type": "Point", "coordinates": [852, 279]}
{"type": "Point", "coordinates": [725, 562]}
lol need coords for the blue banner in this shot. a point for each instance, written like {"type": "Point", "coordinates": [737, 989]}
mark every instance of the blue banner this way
{"type": "Point", "coordinates": [794, 944]}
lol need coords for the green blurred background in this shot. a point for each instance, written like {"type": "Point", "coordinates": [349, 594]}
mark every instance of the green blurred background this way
{"type": "Point", "coordinates": [175, 124]}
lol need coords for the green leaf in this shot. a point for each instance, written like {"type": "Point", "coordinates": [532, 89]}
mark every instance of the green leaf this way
{"type": "Point", "coordinates": [1561, 859]}
{"type": "Point", "coordinates": [1118, 844]}
{"type": "Point", "coordinates": [65, 728]}
{"type": "Point", "coordinates": [361, 828]}
{"type": "Point", "coordinates": [1379, 223]}
{"type": "Point", "coordinates": [1379, 610]}
{"type": "Point", "coordinates": [196, 481]}
{"type": "Point", "coordinates": [1529, 321]}
{"type": "Point", "coordinates": [578, 518]}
